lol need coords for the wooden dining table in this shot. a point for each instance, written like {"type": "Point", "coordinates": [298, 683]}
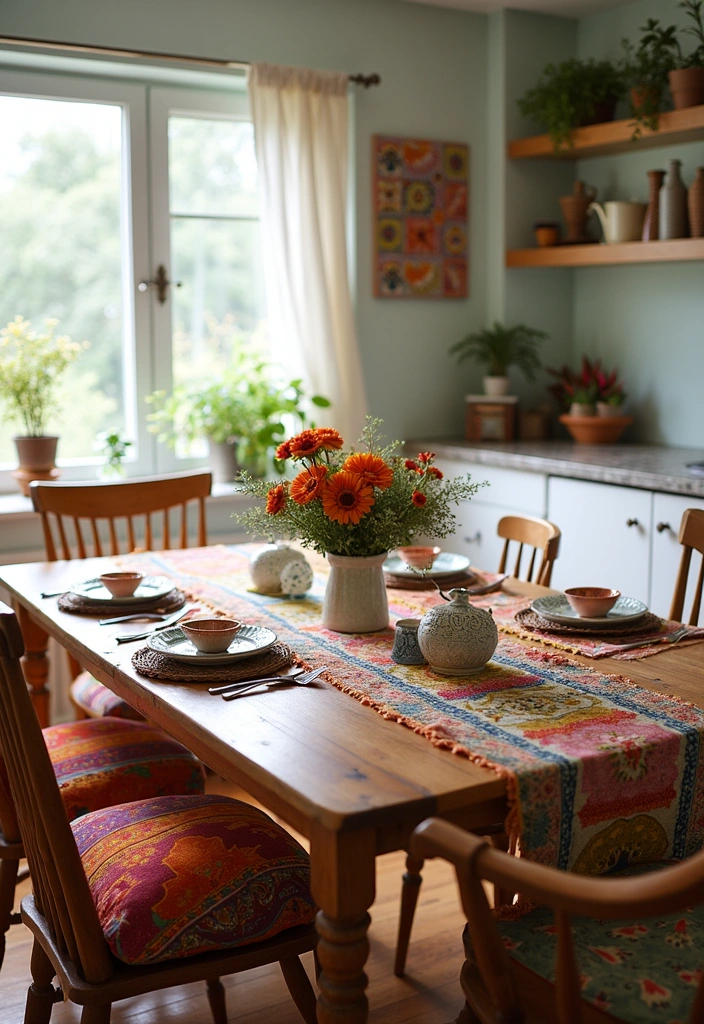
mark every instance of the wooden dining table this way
{"type": "Point", "coordinates": [354, 783]}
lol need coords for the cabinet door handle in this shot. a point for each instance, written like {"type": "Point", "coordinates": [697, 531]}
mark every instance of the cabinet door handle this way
{"type": "Point", "coordinates": [661, 527]}
{"type": "Point", "coordinates": [632, 522]}
{"type": "Point", "coordinates": [476, 539]}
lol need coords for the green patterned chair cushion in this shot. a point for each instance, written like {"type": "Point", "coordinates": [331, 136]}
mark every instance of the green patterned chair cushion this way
{"type": "Point", "coordinates": [176, 876]}
{"type": "Point", "coordinates": [103, 761]}
{"type": "Point", "coordinates": [96, 701]}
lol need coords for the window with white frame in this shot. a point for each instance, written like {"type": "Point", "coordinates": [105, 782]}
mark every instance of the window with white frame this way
{"type": "Point", "coordinates": [101, 184]}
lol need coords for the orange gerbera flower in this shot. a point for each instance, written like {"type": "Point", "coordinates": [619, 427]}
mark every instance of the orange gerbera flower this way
{"type": "Point", "coordinates": [276, 500]}
{"type": "Point", "coordinates": [418, 499]}
{"type": "Point", "coordinates": [426, 456]}
{"type": "Point", "coordinates": [308, 484]}
{"type": "Point", "coordinates": [347, 497]}
{"type": "Point", "coordinates": [330, 438]}
{"type": "Point", "coordinates": [437, 473]}
{"type": "Point", "coordinates": [371, 467]}
{"type": "Point", "coordinates": [308, 442]}
{"type": "Point", "coordinates": [283, 451]}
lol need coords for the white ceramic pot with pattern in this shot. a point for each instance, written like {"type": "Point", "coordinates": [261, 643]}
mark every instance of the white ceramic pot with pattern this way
{"type": "Point", "coordinates": [355, 595]}
{"type": "Point", "coordinates": [457, 639]}
{"type": "Point", "coordinates": [268, 564]}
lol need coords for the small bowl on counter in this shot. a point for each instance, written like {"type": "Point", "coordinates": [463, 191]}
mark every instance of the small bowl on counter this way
{"type": "Point", "coordinates": [211, 635]}
{"type": "Point", "coordinates": [121, 584]}
{"type": "Point", "coordinates": [592, 602]}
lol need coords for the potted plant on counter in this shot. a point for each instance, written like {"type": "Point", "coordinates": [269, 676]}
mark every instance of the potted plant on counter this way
{"type": "Point", "coordinates": [239, 414]}
{"type": "Point", "coordinates": [498, 348]}
{"type": "Point", "coordinates": [32, 366]}
{"type": "Point", "coordinates": [573, 93]}
{"type": "Point", "coordinates": [592, 399]}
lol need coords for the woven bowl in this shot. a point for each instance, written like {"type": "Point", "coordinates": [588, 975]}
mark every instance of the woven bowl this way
{"type": "Point", "coordinates": [211, 636]}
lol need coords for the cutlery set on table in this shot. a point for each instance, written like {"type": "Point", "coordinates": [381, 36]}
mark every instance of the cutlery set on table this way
{"type": "Point", "coordinates": [182, 647]}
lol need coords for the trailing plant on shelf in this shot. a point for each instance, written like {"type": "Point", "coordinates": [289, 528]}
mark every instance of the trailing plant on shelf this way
{"type": "Point", "coordinates": [646, 68]}
{"type": "Point", "coordinates": [687, 77]}
{"type": "Point", "coordinates": [573, 93]}
{"type": "Point", "coordinates": [498, 348]}
{"type": "Point", "coordinates": [243, 408]}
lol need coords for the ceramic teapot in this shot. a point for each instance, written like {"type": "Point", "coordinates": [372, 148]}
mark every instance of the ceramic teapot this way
{"type": "Point", "coordinates": [457, 639]}
{"type": "Point", "coordinates": [620, 221]}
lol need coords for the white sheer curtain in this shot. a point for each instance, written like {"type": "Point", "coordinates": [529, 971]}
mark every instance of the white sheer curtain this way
{"type": "Point", "coordinates": [300, 128]}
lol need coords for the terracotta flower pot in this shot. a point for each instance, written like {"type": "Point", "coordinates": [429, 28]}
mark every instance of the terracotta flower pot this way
{"type": "Point", "coordinates": [687, 87]}
{"type": "Point", "coordinates": [37, 460]}
{"type": "Point", "coordinates": [596, 429]}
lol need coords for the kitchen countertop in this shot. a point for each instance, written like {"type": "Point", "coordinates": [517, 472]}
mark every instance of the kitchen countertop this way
{"type": "Point", "coordinates": [651, 467]}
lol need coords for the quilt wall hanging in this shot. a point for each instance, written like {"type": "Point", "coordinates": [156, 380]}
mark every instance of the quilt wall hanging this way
{"type": "Point", "coordinates": [421, 200]}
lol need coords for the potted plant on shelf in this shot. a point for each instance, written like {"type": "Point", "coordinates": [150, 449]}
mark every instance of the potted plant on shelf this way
{"type": "Point", "coordinates": [571, 94]}
{"type": "Point", "coordinates": [645, 69]}
{"type": "Point", "coordinates": [687, 77]}
{"type": "Point", "coordinates": [354, 506]}
{"type": "Point", "coordinates": [592, 399]}
{"type": "Point", "coordinates": [499, 348]}
{"type": "Point", "coordinates": [239, 414]}
{"type": "Point", "coordinates": [32, 366]}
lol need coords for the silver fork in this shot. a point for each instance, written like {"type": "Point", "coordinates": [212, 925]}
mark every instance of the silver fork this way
{"type": "Point", "coordinates": [239, 688]}
{"type": "Point", "coordinates": [669, 638]}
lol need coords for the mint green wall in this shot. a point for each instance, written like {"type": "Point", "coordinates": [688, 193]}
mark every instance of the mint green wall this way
{"type": "Point", "coordinates": [648, 321]}
{"type": "Point", "coordinates": [433, 65]}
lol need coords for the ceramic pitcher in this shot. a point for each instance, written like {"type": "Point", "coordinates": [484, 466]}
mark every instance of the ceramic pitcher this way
{"type": "Point", "coordinates": [620, 221]}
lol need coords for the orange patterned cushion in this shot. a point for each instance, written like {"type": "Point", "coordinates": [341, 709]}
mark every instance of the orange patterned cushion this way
{"type": "Point", "coordinates": [97, 701]}
{"type": "Point", "coordinates": [176, 876]}
{"type": "Point", "coordinates": [103, 761]}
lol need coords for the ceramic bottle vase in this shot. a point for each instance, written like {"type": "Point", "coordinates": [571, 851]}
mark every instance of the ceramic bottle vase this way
{"type": "Point", "coordinates": [575, 211]}
{"type": "Point", "coordinates": [355, 595]}
{"type": "Point", "coordinates": [673, 203]}
{"type": "Point", "coordinates": [695, 203]}
{"type": "Point", "coordinates": [651, 224]}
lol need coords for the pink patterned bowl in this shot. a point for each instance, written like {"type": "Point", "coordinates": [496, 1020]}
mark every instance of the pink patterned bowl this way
{"type": "Point", "coordinates": [592, 602]}
{"type": "Point", "coordinates": [211, 636]}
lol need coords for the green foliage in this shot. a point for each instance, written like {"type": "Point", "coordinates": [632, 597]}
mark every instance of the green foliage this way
{"type": "Point", "coordinates": [645, 70]}
{"type": "Point", "coordinates": [499, 347]}
{"type": "Point", "coordinates": [245, 406]}
{"type": "Point", "coordinates": [31, 369]}
{"type": "Point", "coordinates": [393, 520]}
{"type": "Point", "coordinates": [693, 10]}
{"type": "Point", "coordinates": [111, 445]}
{"type": "Point", "coordinates": [568, 94]}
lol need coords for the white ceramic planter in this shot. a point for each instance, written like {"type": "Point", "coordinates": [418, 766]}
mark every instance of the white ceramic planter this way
{"type": "Point", "coordinates": [495, 387]}
{"type": "Point", "coordinates": [355, 596]}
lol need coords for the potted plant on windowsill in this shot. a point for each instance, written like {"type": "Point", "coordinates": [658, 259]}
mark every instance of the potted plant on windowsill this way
{"type": "Point", "coordinates": [498, 348]}
{"type": "Point", "coordinates": [32, 366]}
{"type": "Point", "coordinates": [571, 94]}
{"type": "Point", "coordinates": [239, 414]}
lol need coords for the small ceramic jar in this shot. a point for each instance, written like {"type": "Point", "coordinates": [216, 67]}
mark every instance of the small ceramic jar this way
{"type": "Point", "coordinates": [457, 639]}
{"type": "Point", "coordinates": [406, 650]}
{"type": "Point", "coordinates": [268, 564]}
{"type": "Point", "coordinates": [296, 578]}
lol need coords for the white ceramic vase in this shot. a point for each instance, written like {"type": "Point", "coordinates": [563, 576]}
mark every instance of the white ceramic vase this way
{"type": "Point", "coordinates": [495, 386]}
{"type": "Point", "coordinates": [355, 595]}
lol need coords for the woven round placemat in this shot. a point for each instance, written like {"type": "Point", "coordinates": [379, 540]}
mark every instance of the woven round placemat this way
{"type": "Point", "coordinates": [457, 579]}
{"type": "Point", "coordinates": [79, 605]}
{"type": "Point", "coordinates": [158, 666]}
{"type": "Point", "coordinates": [531, 620]}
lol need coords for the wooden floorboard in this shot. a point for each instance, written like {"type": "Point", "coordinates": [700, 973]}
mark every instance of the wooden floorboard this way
{"type": "Point", "coordinates": [430, 993]}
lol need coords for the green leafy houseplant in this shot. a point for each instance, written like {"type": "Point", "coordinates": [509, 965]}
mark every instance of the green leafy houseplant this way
{"type": "Point", "coordinates": [32, 366]}
{"type": "Point", "coordinates": [646, 69]}
{"type": "Point", "coordinates": [573, 93]}
{"type": "Point", "coordinates": [113, 447]}
{"type": "Point", "coordinates": [500, 347]}
{"type": "Point", "coordinates": [243, 407]}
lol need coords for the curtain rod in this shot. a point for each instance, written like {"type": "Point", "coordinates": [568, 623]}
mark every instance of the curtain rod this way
{"type": "Point", "coordinates": [109, 51]}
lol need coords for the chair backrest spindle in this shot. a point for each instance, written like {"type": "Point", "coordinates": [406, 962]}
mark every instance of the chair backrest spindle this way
{"type": "Point", "coordinates": [541, 535]}
{"type": "Point", "coordinates": [691, 537]}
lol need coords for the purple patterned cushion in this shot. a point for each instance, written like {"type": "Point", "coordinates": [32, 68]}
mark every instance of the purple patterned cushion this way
{"type": "Point", "coordinates": [176, 876]}
{"type": "Point", "coordinates": [103, 761]}
{"type": "Point", "coordinates": [97, 701]}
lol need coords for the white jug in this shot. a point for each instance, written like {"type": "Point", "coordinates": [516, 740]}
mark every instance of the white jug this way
{"type": "Point", "coordinates": [621, 221]}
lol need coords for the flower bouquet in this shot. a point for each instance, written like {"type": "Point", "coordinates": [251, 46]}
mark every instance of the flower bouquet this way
{"type": "Point", "coordinates": [354, 506]}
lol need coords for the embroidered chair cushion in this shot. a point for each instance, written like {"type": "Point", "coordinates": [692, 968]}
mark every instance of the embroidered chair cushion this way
{"type": "Point", "coordinates": [103, 761]}
{"type": "Point", "coordinates": [636, 971]}
{"type": "Point", "coordinates": [97, 701]}
{"type": "Point", "coordinates": [176, 876]}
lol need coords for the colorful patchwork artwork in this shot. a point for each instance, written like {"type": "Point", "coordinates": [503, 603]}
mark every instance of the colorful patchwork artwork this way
{"type": "Point", "coordinates": [420, 218]}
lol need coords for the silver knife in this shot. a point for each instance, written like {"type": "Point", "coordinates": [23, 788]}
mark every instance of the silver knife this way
{"type": "Point", "coordinates": [126, 638]}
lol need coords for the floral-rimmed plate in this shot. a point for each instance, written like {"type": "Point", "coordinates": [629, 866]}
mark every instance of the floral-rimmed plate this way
{"type": "Point", "coordinates": [446, 564]}
{"type": "Point", "coordinates": [152, 588]}
{"type": "Point", "coordinates": [556, 608]}
{"type": "Point", "coordinates": [248, 641]}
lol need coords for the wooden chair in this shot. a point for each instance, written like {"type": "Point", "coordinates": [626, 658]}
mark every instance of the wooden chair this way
{"type": "Point", "coordinates": [499, 989]}
{"type": "Point", "coordinates": [541, 535]}
{"type": "Point", "coordinates": [76, 514]}
{"type": "Point", "coordinates": [691, 539]}
{"type": "Point", "coordinates": [69, 942]}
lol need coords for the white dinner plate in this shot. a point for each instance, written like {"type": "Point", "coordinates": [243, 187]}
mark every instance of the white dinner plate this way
{"type": "Point", "coordinates": [556, 608]}
{"type": "Point", "coordinates": [444, 565]}
{"type": "Point", "coordinates": [250, 640]}
{"type": "Point", "coordinates": [152, 588]}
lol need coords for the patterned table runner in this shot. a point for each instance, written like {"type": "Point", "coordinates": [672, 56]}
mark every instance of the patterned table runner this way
{"type": "Point", "coordinates": [600, 772]}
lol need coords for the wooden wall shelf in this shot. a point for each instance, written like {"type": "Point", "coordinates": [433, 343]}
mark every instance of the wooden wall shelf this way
{"type": "Point", "coordinates": [676, 126]}
{"type": "Point", "coordinates": [603, 255]}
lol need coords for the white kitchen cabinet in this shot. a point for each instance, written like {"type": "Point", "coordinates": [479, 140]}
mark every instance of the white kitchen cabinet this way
{"type": "Point", "coordinates": [666, 550]}
{"type": "Point", "coordinates": [606, 536]}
